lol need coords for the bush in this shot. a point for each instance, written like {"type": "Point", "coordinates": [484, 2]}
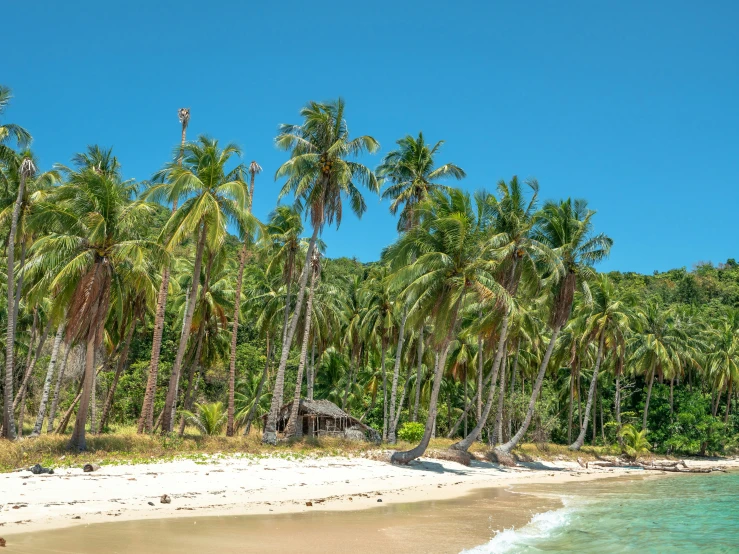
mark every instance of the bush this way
{"type": "Point", "coordinates": [411, 432]}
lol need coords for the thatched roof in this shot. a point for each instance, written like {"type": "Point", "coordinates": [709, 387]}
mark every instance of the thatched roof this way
{"type": "Point", "coordinates": [321, 407]}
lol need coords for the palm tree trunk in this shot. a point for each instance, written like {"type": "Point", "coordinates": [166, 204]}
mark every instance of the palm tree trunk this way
{"type": "Point", "coordinates": [580, 440]}
{"type": "Point", "coordinates": [396, 419]}
{"type": "Point", "coordinates": [396, 372]}
{"type": "Point", "coordinates": [312, 369]}
{"type": "Point", "coordinates": [270, 428]}
{"type": "Point", "coordinates": [419, 375]}
{"type": "Point", "coordinates": [513, 442]}
{"type": "Point", "coordinates": [47, 382]}
{"type": "Point", "coordinates": [19, 285]}
{"type": "Point", "coordinates": [572, 401]}
{"type": "Point", "coordinates": [78, 440]}
{"type": "Point", "coordinates": [672, 384]}
{"type": "Point", "coordinates": [595, 419]}
{"type": "Point", "coordinates": [258, 395]}
{"type": "Point", "coordinates": [190, 391]}
{"type": "Point", "coordinates": [383, 353]}
{"type": "Point", "coordinates": [234, 333]}
{"type": "Point", "coordinates": [31, 365]}
{"type": "Point", "coordinates": [410, 455]}
{"type": "Point", "coordinates": [501, 400]}
{"type": "Point", "coordinates": [57, 388]}
{"type": "Point", "coordinates": [512, 388]}
{"type": "Point", "coordinates": [171, 399]}
{"type": "Point", "coordinates": [469, 440]}
{"type": "Point", "coordinates": [649, 396]}
{"type": "Point", "coordinates": [8, 411]}
{"type": "Point", "coordinates": [292, 424]}
{"type": "Point", "coordinates": [478, 407]}
{"type": "Point", "coordinates": [728, 400]}
{"type": "Point", "coordinates": [120, 366]}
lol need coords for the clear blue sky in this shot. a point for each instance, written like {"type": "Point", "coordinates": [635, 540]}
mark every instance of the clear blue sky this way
{"type": "Point", "coordinates": [631, 105]}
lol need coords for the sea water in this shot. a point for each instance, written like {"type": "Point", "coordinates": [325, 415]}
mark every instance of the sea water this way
{"type": "Point", "coordinates": [682, 513]}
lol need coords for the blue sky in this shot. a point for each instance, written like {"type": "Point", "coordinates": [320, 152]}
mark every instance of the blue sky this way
{"type": "Point", "coordinates": [631, 105]}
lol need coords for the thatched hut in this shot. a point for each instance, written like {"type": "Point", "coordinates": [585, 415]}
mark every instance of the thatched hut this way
{"type": "Point", "coordinates": [321, 418]}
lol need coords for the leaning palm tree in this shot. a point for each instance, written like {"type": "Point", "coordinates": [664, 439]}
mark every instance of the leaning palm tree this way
{"type": "Point", "coordinates": [215, 197]}
{"type": "Point", "coordinates": [91, 239]}
{"type": "Point", "coordinates": [319, 174]}
{"type": "Point", "coordinates": [247, 229]}
{"type": "Point", "coordinates": [448, 268]}
{"type": "Point", "coordinates": [147, 410]}
{"type": "Point", "coordinates": [606, 318]}
{"type": "Point", "coordinates": [565, 228]}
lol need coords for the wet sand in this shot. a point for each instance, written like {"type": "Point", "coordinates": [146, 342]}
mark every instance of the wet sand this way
{"type": "Point", "coordinates": [437, 526]}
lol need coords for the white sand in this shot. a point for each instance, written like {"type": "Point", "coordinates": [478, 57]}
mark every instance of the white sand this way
{"type": "Point", "coordinates": [234, 485]}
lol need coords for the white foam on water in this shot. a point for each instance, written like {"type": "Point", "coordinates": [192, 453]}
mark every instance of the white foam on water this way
{"type": "Point", "coordinates": [540, 526]}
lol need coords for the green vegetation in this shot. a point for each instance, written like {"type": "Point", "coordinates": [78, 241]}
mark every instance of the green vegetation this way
{"type": "Point", "coordinates": [165, 308]}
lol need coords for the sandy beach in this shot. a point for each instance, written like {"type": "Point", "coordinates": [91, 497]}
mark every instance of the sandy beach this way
{"type": "Point", "coordinates": [236, 485]}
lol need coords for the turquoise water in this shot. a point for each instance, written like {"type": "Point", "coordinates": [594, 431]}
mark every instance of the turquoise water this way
{"type": "Point", "coordinates": [682, 513]}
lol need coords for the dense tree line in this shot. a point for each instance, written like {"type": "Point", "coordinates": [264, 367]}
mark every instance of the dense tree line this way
{"type": "Point", "coordinates": [167, 306]}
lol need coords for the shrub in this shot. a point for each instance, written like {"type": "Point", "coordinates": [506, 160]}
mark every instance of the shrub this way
{"type": "Point", "coordinates": [411, 432]}
{"type": "Point", "coordinates": [634, 442]}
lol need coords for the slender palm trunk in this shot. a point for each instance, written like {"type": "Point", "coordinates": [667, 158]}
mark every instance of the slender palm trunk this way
{"type": "Point", "coordinates": [649, 396]}
{"type": "Point", "coordinates": [396, 372]}
{"type": "Point", "coordinates": [234, 333]}
{"type": "Point", "coordinates": [410, 455]}
{"type": "Point", "coordinates": [8, 419]}
{"type": "Point", "coordinates": [57, 389]}
{"type": "Point", "coordinates": [78, 440]}
{"type": "Point", "coordinates": [258, 395]}
{"type": "Point", "coordinates": [120, 366]}
{"type": "Point", "coordinates": [580, 440]}
{"type": "Point", "coordinates": [480, 365]}
{"type": "Point", "coordinates": [572, 400]}
{"type": "Point", "coordinates": [270, 428]}
{"type": "Point", "coordinates": [501, 400]}
{"type": "Point", "coordinates": [419, 375]}
{"type": "Point", "coordinates": [47, 382]}
{"type": "Point", "coordinates": [469, 440]}
{"type": "Point", "coordinates": [292, 427]}
{"type": "Point", "coordinates": [312, 369]}
{"type": "Point", "coordinates": [511, 444]}
{"type": "Point", "coordinates": [672, 384]}
{"type": "Point", "coordinates": [728, 401]}
{"type": "Point", "coordinates": [383, 353]}
{"type": "Point", "coordinates": [171, 399]}
{"type": "Point", "coordinates": [512, 388]}
{"type": "Point", "coordinates": [31, 365]}
{"type": "Point", "coordinates": [190, 391]}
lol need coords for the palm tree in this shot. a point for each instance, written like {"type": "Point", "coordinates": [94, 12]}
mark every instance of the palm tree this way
{"type": "Point", "coordinates": [723, 361]}
{"type": "Point", "coordinates": [411, 172]}
{"type": "Point", "coordinates": [254, 168]}
{"type": "Point", "coordinates": [565, 228]}
{"type": "Point", "coordinates": [318, 174]}
{"type": "Point", "coordinates": [147, 410]}
{"type": "Point", "coordinates": [215, 196]}
{"type": "Point", "coordinates": [606, 318]}
{"type": "Point", "coordinates": [91, 242]}
{"type": "Point", "coordinates": [26, 170]}
{"type": "Point", "coordinates": [448, 267]}
{"type": "Point", "coordinates": [208, 418]}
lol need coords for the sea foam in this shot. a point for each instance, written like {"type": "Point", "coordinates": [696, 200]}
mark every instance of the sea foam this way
{"type": "Point", "coordinates": [540, 527]}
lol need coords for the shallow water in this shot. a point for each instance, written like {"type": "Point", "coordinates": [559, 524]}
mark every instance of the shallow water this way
{"type": "Point", "coordinates": [420, 527]}
{"type": "Point", "coordinates": [681, 513]}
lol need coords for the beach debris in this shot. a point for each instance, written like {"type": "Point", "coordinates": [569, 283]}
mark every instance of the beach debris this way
{"type": "Point", "coordinates": [309, 503]}
{"type": "Point", "coordinates": [582, 463]}
{"type": "Point", "coordinates": [150, 503]}
{"type": "Point", "coordinates": [450, 454]}
{"type": "Point", "coordinates": [89, 468]}
{"type": "Point", "coordinates": [2, 542]}
{"type": "Point", "coordinates": [500, 457]}
{"type": "Point", "coordinates": [77, 517]}
{"type": "Point", "coordinates": [165, 499]}
{"type": "Point", "coordinates": [379, 499]}
{"type": "Point", "coordinates": [38, 469]}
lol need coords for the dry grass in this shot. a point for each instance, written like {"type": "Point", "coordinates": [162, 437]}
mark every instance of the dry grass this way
{"type": "Point", "coordinates": [125, 446]}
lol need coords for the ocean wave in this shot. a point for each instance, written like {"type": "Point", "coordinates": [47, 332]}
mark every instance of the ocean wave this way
{"type": "Point", "coordinates": [540, 527]}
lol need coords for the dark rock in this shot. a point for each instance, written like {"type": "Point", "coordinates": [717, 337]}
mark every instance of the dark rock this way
{"type": "Point", "coordinates": [309, 503]}
{"type": "Point", "coordinates": [165, 499]}
{"type": "Point", "coordinates": [150, 503]}
{"type": "Point", "coordinates": [379, 499]}
{"type": "Point", "coordinates": [2, 541]}
{"type": "Point", "coordinates": [89, 468]}
{"type": "Point", "coordinates": [38, 469]}
{"type": "Point", "coordinates": [77, 517]}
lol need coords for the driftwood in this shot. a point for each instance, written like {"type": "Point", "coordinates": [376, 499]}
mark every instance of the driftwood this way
{"type": "Point", "coordinates": [89, 468]}
{"type": "Point", "coordinates": [451, 455]}
{"type": "Point", "coordinates": [674, 467]}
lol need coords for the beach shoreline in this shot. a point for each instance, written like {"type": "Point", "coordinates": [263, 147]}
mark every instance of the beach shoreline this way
{"type": "Point", "coordinates": [241, 485]}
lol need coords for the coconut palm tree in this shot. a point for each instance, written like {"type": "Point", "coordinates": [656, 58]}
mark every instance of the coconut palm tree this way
{"type": "Point", "coordinates": [247, 231]}
{"type": "Point", "coordinates": [319, 173]}
{"type": "Point", "coordinates": [10, 131]}
{"type": "Point", "coordinates": [448, 267]}
{"type": "Point", "coordinates": [215, 196]}
{"type": "Point", "coordinates": [723, 361]}
{"type": "Point", "coordinates": [606, 319]}
{"type": "Point", "coordinates": [147, 410]}
{"type": "Point", "coordinates": [92, 239]}
{"type": "Point", "coordinates": [566, 229]}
